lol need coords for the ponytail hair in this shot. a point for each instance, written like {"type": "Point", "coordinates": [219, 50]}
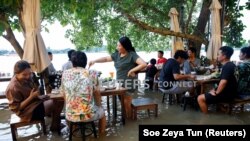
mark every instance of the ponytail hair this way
{"type": "Point", "coordinates": [126, 43]}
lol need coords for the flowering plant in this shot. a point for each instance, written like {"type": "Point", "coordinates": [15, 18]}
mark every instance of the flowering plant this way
{"type": "Point", "coordinates": [204, 61]}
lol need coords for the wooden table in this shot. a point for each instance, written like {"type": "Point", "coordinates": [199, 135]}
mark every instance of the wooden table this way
{"type": "Point", "coordinates": [203, 82]}
{"type": "Point", "coordinates": [117, 92]}
{"type": "Point", "coordinates": [59, 101]}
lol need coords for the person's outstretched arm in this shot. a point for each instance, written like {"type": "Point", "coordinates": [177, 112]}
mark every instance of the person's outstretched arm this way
{"type": "Point", "coordinates": [100, 60]}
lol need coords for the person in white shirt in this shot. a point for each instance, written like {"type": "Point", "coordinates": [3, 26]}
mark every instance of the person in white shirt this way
{"type": "Point", "coordinates": [51, 67]}
{"type": "Point", "coordinates": [68, 65]}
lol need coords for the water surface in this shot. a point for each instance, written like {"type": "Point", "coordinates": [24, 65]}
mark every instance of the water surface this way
{"type": "Point", "coordinates": [167, 115]}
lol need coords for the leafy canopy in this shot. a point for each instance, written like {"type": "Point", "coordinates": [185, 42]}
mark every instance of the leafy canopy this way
{"type": "Point", "coordinates": [96, 21]}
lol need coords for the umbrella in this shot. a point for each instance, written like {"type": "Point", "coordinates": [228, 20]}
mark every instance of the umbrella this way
{"type": "Point", "coordinates": [215, 40]}
{"type": "Point", "coordinates": [34, 49]}
{"type": "Point", "coordinates": [174, 26]}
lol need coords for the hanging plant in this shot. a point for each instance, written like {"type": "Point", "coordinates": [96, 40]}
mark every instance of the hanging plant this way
{"type": "Point", "coordinates": [204, 61]}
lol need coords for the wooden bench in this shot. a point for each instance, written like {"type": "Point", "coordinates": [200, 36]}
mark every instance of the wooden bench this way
{"type": "Point", "coordinates": [16, 122]}
{"type": "Point", "coordinates": [240, 101]}
{"type": "Point", "coordinates": [143, 104]}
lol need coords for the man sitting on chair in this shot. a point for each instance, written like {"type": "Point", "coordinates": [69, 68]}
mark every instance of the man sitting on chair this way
{"type": "Point", "coordinates": [170, 77]}
{"type": "Point", "coordinates": [227, 88]}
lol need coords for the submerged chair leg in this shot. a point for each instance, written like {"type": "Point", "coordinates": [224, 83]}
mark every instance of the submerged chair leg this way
{"type": "Point", "coordinates": [70, 130]}
{"type": "Point", "coordinates": [82, 126]}
{"type": "Point", "coordinates": [94, 129]}
{"type": "Point", "coordinates": [170, 99]}
{"type": "Point", "coordinates": [163, 98]}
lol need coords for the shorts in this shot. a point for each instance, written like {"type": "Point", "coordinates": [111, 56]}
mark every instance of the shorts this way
{"type": "Point", "coordinates": [38, 113]}
{"type": "Point", "coordinates": [98, 115]}
{"type": "Point", "coordinates": [210, 99]}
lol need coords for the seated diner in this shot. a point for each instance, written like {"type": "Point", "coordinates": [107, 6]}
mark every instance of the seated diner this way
{"type": "Point", "coordinates": [81, 92]}
{"type": "Point", "coordinates": [24, 97]}
{"type": "Point", "coordinates": [227, 88]}
{"type": "Point", "coordinates": [244, 71]}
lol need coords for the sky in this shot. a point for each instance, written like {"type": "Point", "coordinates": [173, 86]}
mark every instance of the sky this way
{"type": "Point", "coordinates": [55, 37]}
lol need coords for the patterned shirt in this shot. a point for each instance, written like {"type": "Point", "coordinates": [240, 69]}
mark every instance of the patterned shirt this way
{"type": "Point", "coordinates": [78, 85]}
{"type": "Point", "coordinates": [244, 78]}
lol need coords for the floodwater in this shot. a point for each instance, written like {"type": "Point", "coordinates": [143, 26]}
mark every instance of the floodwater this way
{"type": "Point", "coordinates": [167, 115]}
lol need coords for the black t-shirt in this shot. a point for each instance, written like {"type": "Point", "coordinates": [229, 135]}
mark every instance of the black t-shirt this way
{"type": "Point", "coordinates": [170, 68]}
{"type": "Point", "coordinates": [150, 72]}
{"type": "Point", "coordinates": [228, 73]}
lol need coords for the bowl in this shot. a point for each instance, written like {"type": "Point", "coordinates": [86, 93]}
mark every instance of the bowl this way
{"type": "Point", "coordinates": [201, 70]}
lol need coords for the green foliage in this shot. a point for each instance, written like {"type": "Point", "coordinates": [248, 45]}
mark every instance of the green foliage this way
{"type": "Point", "coordinates": [233, 35]}
{"type": "Point", "coordinates": [94, 21]}
{"type": "Point", "coordinates": [2, 27]}
{"type": "Point", "coordinates": [204, 61]}
{"type": "Point", "coordinates": [232, 32]}
{"type": "Point", "coordinates": [248, 5]}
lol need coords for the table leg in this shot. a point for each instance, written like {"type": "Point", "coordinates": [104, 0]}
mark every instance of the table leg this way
{"type": "Point", "coordinates": [108, 107]}
{"type": "Point", "coordinates": [56, 119]}
{"type": "Point", "coordinates": [123, 109]}
{"type": "Point", "coordinates": [115, 106]}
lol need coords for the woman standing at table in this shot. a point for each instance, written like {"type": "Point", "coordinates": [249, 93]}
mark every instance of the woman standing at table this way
{"type": "Point", "coordinates": [81, 90]}
{"type": "Point", "coordinates": [24, 98]}
{"type": "Point", "coordinates": [127, 63]}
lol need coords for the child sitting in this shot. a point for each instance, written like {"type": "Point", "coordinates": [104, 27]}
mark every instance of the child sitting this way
{"type": "Point", "coordinates": [151, 70]}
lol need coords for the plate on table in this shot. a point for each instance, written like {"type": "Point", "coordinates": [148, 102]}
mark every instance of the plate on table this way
{"type": "Point", "coordinates": [54, 91]}
{"type": "Point", "coordinates": [203, 77]}
{"type": "Point", "coordinates": [110, 88]}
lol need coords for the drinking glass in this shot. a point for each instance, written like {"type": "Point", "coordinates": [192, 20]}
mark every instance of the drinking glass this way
{"type": "Point", "coordinates": [111, 74]}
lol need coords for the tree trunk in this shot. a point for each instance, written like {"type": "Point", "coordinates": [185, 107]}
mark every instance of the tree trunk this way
{"type": "Point", "coordinates": [10, 36]}
{"type": "Point", "coordinates": [201, 25]}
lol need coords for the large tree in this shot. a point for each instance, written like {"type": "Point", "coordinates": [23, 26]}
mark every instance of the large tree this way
{"type": "Point", "coordinates": [146, 22]}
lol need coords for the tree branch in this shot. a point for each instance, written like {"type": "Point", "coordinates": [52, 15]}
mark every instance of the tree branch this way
{"type": "Point", "coordinates": [10, 36]}
{"type": "Point", "coordinates": [190, 15]}
{"type": "Point", "coordinates": [161, 31]}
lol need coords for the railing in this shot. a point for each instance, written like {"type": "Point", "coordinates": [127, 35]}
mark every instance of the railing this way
{"type": "Point", "coordinates": [4, 79]}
